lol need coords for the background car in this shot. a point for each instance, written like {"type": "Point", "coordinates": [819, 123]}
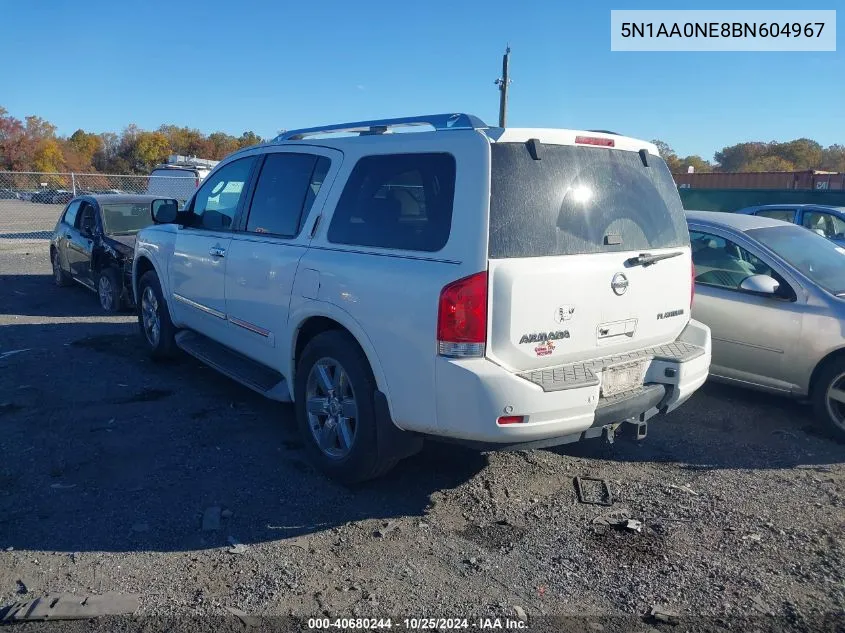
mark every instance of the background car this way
{"type": "Point", "coordinates": [827, 221]}
{"type": "Point", "coordinates": [52, 196]}
{"type": "Point", "coordinates": [94, 241]}
{"type": "Point", "coordinates": [8, 194]}
{"type": "Point", "coordinates": [773, 295]}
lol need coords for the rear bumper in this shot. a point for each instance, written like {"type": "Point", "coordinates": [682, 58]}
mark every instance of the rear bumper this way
{"type": "Point", "coordinates": [472, 394]}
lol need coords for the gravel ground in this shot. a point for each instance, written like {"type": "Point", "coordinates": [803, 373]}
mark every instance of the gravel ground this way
{"type": "Point", "coordinates": [21, 219]}
{"type": "Point", "coordinates": [113, 468]}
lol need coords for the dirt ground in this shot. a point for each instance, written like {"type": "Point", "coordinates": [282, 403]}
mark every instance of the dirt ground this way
{"type": "Point", "coordinates": [121, 475]}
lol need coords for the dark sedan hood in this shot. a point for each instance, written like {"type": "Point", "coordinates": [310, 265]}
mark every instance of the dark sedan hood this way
{"type": "Point", "coordinates": [126, 240]}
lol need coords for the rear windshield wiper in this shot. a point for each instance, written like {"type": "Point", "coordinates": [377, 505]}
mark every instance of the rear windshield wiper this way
{"type": "Point", "coordinates": [647, 259]}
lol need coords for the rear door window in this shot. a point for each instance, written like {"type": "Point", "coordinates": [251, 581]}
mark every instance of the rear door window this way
{"type": "Point", "coordinates": [286, 189]}
{"type": "Point", "coordinates": [397, 201]}
{"type": "Point", "coordinates": [784, 215]}
{"type": "Point", "coordinates": [577, 200]}
{"type": "Point", "coordinates": [825, 224]}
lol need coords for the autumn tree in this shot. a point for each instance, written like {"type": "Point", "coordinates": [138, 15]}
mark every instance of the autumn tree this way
{"type": "Point", "coordinates": [833, 158]}
{"type": "Point", "coordinates": [12, 136]}
{"type": "Point", "coordinates": [248, 139]}
{"type": "Point", "coordinates": [149, 149]}
{"type": "Point", "coordinates": [679, 165]}
{"type": "Point", "coordinates": [221, 145]}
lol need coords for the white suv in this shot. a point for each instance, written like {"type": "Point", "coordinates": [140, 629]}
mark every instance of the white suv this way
{"type": "Point", "coordinates": [505, 288]}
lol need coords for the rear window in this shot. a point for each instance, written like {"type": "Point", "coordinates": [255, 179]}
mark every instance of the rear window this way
{"type": "Point", "coordinates": [577, 200]}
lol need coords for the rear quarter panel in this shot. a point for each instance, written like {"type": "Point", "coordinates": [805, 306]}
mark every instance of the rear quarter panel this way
{"type": "Point", "coordinates": [390, 296]}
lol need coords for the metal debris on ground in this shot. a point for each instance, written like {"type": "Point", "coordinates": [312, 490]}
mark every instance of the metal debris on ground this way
{"type": "Point", "coordinates": [684, 488]}
{"type": "Point", "coordinates": [386, 529]}
{"type": "Point", "coordinates": [614, 517]}
{"type": "Point", "coordinates": [211, 519]}
{"type": "Point", "coordinates": [662, 615]}
{"type": "Point", "coordinates": [520, 613]}
{"type": "Point", "coordinates": [69, 607]}
{"type": "Point", "coordinates": [237, 547]}
{"type": "Point", "coordinates": [761, 606]}
{"type": "Point", "coordinates": [619, 518]}
{"type": "Point", "coordinates": [603, 498]}
{"type": "Point", "coordinates": [246, 619]}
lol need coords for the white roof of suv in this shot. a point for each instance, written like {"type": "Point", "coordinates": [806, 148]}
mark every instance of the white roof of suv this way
{"type": "Point", "coordinates": [345, 134]}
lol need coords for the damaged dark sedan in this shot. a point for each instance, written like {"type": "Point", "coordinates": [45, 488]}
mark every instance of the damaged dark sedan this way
{"type": "Point", "coordinates": [94, 242]}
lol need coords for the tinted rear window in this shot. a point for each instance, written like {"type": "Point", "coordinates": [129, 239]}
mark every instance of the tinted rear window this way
{"type": "Point", "coordinates": [577, 200]}
{"type": "Point", "coordinates": [398, 201]}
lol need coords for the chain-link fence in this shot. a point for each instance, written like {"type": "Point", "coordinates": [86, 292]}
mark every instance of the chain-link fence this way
{"type": "Point", "coordinates": [31, 202]}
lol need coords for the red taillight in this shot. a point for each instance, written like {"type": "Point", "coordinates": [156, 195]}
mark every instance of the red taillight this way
{"type": "Point", "coordinates": [692, 283]}
{"type": "Point", "coordinates": [510, 419]}
{"type": "Point", "coordinates": [594, 140]}
{"type": "Point", "coordinates": [462, 317]}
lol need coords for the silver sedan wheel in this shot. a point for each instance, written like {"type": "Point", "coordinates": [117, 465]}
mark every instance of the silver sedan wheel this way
{"type": "Point", "coordinates": [331, 407]}
{"type": "Point", "coordinates": [57, 269]}
{"type": "Point", "coordinates": [835, 397]}
{"type": "Point", "coordinates": [149, 314]}
{"type": "Point", "coordinates": [104, 289]}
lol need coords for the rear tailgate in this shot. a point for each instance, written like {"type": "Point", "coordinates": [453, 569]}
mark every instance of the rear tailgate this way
{"type": "Point", "coordinates": [589, 254]}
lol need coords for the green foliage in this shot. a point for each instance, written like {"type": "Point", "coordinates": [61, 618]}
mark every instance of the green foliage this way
{"type": "Point", "coordinates": [679, 165]}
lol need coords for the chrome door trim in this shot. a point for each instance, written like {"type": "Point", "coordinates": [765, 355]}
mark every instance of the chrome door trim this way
{"type": "Point", "coordinates": [199, 306]}
{"type": "Point", "coordinates": [249, 326]}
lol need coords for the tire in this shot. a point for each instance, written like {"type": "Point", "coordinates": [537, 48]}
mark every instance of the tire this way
{"type": "Point", "coordinates": [830, 412]}
{"type": "Point", "coordinates": [354, 442]}
{"type": "Point", "coordinates": [109, 290]}
{"type": "Point", "coordinates": [60, 277]}
{"type": "Point", "coordinates": [151, 304]}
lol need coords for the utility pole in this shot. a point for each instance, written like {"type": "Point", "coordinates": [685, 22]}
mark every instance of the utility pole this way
{"type": "Point", "coordinates": [503, 84]}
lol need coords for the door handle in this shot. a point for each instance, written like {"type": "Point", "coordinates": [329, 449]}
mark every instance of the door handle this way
{"type": "Point", "coordinates": [216, 251]}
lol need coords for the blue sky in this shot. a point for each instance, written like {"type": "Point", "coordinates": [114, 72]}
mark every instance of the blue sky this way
{"type": "Point", "coordinates": [264, 65]}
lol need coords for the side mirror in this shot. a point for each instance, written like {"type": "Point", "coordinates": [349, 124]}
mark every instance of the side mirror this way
{"type": "Point", "coordinates": [760, 284]}
{"type": "Point", "coordinates": [164, 211]}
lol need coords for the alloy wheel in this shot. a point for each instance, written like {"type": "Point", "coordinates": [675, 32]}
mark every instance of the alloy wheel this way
{"type": "Point", "coordinates": [331, 408]}
{"type": "Point", "coordinates": [104, 289]}
{"type": "Point", "coordinates": [150, 316]}
{"type": "Point", "coordinates": [835, 400]}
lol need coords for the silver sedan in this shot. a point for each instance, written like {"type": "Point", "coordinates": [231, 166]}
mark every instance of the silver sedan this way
{"type": "Point", "coordinates": [773, 295]}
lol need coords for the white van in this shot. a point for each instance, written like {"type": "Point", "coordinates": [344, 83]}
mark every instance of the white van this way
{"type": "Point", "coordinates": [179, 177]}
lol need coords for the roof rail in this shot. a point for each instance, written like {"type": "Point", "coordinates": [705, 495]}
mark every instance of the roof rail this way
{"type": "Point", "coordinates": [439, 122]}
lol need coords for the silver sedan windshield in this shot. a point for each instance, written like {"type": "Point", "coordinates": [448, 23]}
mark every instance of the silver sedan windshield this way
{"type": "Point", "coordinates": [821, 260]}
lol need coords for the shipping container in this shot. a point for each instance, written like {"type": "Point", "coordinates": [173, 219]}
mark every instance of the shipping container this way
{"type": "Point", "coordinates": [803, 180]}
{"type": "Point", "coordinates": [736, 199]}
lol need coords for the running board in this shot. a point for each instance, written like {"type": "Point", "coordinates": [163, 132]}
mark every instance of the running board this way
{"type": "Point", "coordinates": [269, 383]}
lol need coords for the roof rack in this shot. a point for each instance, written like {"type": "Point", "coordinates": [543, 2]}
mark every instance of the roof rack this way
{"type": "Point", "coordinates": [457, 121]}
